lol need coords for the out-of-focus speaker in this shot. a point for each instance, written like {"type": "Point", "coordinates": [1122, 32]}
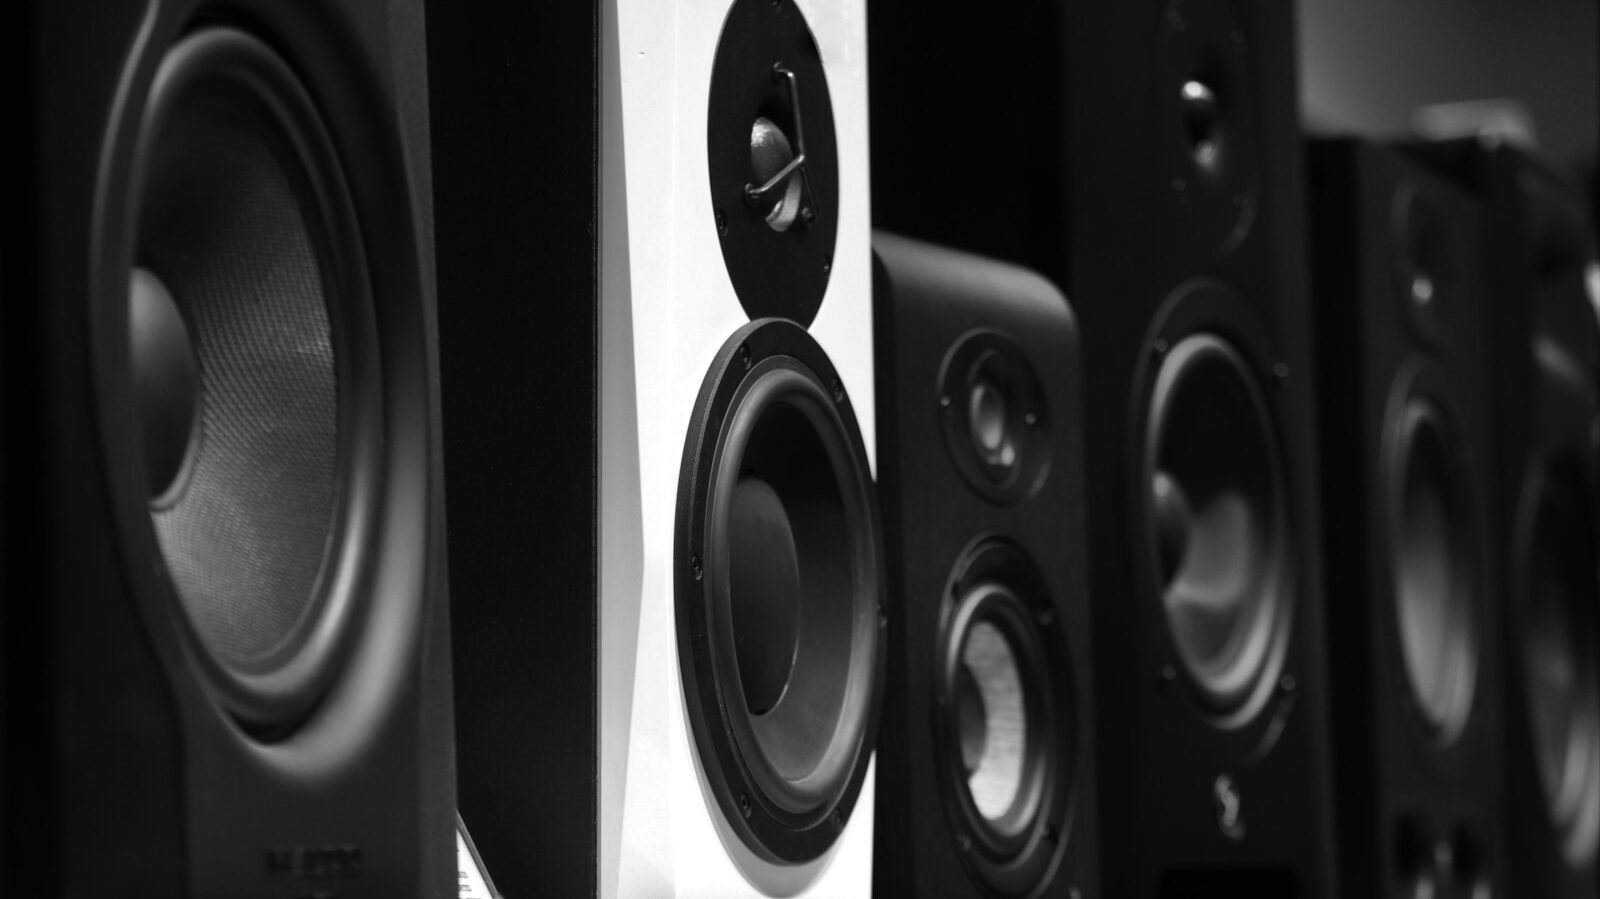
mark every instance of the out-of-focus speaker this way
{"type": "Point", "coordinates": [986, 778]}
{"type": "Point", "coordinates": [1413, 623]}
{"type": "Point", "coordinates": [663, 326]}
{"type": "Point", "coordinates": [238, 637]}
{"type": "Point", "coordinates": [1544, 358]}
{"type": "Point", "coordinates": [1154, 172]}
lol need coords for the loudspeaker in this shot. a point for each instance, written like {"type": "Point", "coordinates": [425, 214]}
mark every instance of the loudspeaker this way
{"type": "Point", "coordinates": [1413, 623]}
{"type": "Point", "coordinates": [1544, 357]}
{"type": "Point", "coordinates": [237, 638]}
{"type": "Point", "coordinates": [986, 778]}
{"type": "Point", "coordinates": [655, 245]}
{"type": "Point", "coordinates": [1154, 172]}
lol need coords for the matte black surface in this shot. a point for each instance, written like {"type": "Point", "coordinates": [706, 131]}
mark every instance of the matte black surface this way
{"type": "Point", "coordinates": [130, 774]}
{"type": "Point", "coordinates": [1544, 405]}
{"type": "Point", "coordinates": [928, 304]}
{"type": "Point", "coordinates": [1086, 173]}
{"type": "Point", "coordinates": [515, 147]}
{"type": "Point", "coordinates": [1406, 780]}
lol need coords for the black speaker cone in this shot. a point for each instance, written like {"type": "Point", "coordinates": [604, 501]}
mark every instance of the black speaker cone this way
{"type": "Point", "coordinates": [1558, 589]}
{"type": "Point", "coordinates": [995, 423]}
{"type": "Point", "coordinates": [1436, 594]}
{"type": "Point", "coordinates": [246, 286]}
{"type": "Point", "coordinates": [1215, 511]}
{"type": "Point", "coordinates": [1006, 725]}
{"type": "Point", "coordinates": [779, 592]}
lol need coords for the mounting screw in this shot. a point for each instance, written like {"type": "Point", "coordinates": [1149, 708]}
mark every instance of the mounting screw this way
{"type": "Point", "coordinates": [1031, 420]}
{"type": "Point", "coordinates": [744, 804]}
{"type": "Point", "coordinates": [883, 617]}
{"type": "Point", "coordinates": [744, 356]}
{"type": "Point", "coordinates": [827, 263]}
{"type": "Point", "coordinates": [1168, 676]}
{"type": "Point", "coordinates": [1286, 683]}
{"type": "Point", "coordinates": [963, 842]}
{"type": "Point", "coordinates": [838, 391]}
{"type": "Point", "coordinates": [1230, 811]}
{"type": "Point", "coordinates": [1046, 616]}
{"type": "Point", "coordinates": [1158, 347]}
{"type": "Point", "coordinates": [1280, 372]}
{"type": "Point", "coordinates": [695, 567]}
{"type": "Point", "coordinates": [722, 223]}
{"type": "Point", "coordinates": [807, 216]}
{"type": "Point", "coordinates": [838, 819]}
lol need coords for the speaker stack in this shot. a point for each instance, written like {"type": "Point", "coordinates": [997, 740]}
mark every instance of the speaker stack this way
{"type": "Point", "coordinates": [238, 639]}
{"type": "Point", "coordinates": [1154, 171]}
{"type": "Point", "coordinates": [715, 664]}
{"type": "Point", "coordinates": [986, 781]}
{"type": "Point", "coordinates": [1402, 316]}
{"type": "Point", "coordinates": [1544, 353]}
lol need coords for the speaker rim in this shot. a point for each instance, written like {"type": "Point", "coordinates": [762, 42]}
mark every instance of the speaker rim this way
{"type": "Point", "coordinates": [1028, 862]}
{"type": "Point", "coordinates": [765, 828]}
{"type": "Point", "coordinates": [1207, 305]}
{"type": "Point", "coordinates": [965, 353]}
{"type": "Point", "coordinates": [1420, 385]}
{"type": "Point", "coordinates": [401, 555]}
{"type": "Point", "coordinates": [1578, 840]}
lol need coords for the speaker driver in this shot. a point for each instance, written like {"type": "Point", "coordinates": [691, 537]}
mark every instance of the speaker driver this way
{"type": "Point", "coordinates": [1005, 750]}
{"type": "Point", "coordinates": [994, 417]}
{"type": "Point", "coordinates": [780, 587]}
{"type": "Point", "coordinates": [1558, 586]}
{"type": "Point", "coordinates": [1435, 591]}
{"type": "Point", "coordinates": [1216, 521]}
{"type": "Point", "coordinates": [246, 302]}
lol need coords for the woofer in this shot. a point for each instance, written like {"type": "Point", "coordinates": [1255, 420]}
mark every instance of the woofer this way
{"type": "Point", "coordinates": [1557, 588]}
{"type": "Point", "coordinates": [780, 588]}
{"type": "Point", "coordinates": [250, 356]}
{"type": "Point", "coordinates": [1003, 741]}
{"type": "Point", "coordinates": [1436, 590]}
{"type": "Point", "coordinates": [1215, 522]}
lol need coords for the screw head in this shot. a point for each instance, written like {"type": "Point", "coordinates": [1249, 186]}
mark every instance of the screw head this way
{"type": "Point", "coordinates": [744, 356]}
{"type": "Point", "coordinates": [695, 568]}
{"type": "Point", "coordinates": [722, 223]}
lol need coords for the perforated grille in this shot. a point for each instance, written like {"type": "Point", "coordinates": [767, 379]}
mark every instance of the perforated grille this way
{"type": "Point", "coordinates": [226, 226]}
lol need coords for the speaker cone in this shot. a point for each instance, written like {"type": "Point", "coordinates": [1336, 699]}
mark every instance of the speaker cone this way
{"type": "Point", "coordinates": [780, 590]}
{"type": "Point", "coordinates": [245, 300]}
{"type": "Point", "coordinates": [995, 423]}
{"type": "Point", "coordinates": [1435, 589]}
{"type": "Point", "coordinates": [1558, 588]}
{"type": "Point", "coordinates": [1006, 726]}
{"type": "Point", "coordinates": [1215, 512]}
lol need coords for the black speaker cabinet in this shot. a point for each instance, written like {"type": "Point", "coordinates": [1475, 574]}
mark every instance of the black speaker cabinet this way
{"type": "Point", "coordinates": [1147, 159]}
{"type": "Point", "coordinates": [237, 639]}
{"type": "Point", "coordinates": [986, 777]}
{"type": "Point", "coordinates": [1413, 623]}
{"type": "Point", "coordinates": [515, 149]}
{"type": "Point", "coordinates": [1544, 356]}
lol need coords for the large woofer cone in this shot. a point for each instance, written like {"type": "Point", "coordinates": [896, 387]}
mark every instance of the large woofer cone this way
{"type": "Point", "coordinates": [1005, 726]}
{"type": "Point", "coordinates": [1216, 522]}
{"type": "Point", "coordinates": [249, 338]}
{"type": "Point", "coordinates": [1431, 548]}
{"type": "Point", "coordinates": [1558, 587]}
{"type": "Point", "coordinates": [779, 592]}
